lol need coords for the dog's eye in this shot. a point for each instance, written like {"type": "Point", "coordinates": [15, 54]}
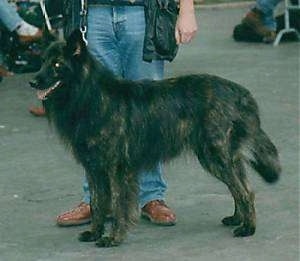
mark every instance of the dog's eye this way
{"type": "Point", "coordinates": [57, 65]}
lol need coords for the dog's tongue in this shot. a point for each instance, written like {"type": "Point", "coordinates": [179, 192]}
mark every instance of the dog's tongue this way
{"type": "Point", "coordinates": [42, 94]}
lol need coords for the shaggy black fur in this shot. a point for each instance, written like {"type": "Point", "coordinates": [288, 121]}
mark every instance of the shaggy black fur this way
{"type": "Point", "coordinates": [116, 128]}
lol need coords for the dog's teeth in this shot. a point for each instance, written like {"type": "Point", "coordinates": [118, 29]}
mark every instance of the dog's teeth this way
{"type": "Point", "coordinates": [41, 95]}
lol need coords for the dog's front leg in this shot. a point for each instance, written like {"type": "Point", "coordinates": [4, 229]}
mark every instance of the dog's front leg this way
{"type": "Point", "coordinates": [118, 222]}
{"type": "Point", "coordinates": [100, 198]}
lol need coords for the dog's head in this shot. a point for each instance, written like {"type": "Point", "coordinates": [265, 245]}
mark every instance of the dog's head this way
{"type": "Point", "coordinates": [62, 61]}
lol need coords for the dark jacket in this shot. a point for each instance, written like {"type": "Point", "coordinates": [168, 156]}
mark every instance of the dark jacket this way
{"type": "Point", "coordinates": [159, 41]}
{"type": "Point", "coordinates": [160, 15]}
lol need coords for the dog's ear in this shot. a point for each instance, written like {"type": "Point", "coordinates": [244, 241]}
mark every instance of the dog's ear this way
{"type": "Point", "coordinates": [76, 46]}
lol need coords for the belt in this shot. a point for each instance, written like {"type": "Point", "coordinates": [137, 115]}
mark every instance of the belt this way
{"type": "Point", "coordinates": [117, 2]}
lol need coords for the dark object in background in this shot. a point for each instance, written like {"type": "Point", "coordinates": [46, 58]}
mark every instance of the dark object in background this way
{"type": "Point", "coordinates": [19, 58]}
{"type": "Point", "coordinates": [294, 23]}
{"type": "Point", "coordinates": [30, 12]}
{"type": "Point", "coordinates": [54, 7]}
{"type": "Point", "coordinates": [244, 33]}
{"type": "Point", "coordinates": [24, 58]}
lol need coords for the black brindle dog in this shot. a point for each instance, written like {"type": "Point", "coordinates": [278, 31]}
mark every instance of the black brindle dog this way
{"type": "Point", "coordinates": [116, 128]}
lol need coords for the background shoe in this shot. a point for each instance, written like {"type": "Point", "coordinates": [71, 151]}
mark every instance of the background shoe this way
{"type": "Point", "coordinates": [37, 111]}
{"type": "Point", "coordinates": [254, 19]}
{"type": "Point", "coordinates": [270, 38]}
{"type": "Point", "coordinates": [28, 33]}
{"type": "Point", "coordinates": [31, 38]}
{"type": "Point", "coordinates": [4, 72]}
{"type": "Point", "coordinates": [77, 216]}
{"type": "Point", "coordinates": [159, 213]}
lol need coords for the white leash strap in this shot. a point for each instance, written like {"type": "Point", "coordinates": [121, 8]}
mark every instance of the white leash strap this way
{"type": "Point", "coordinates": [47, 20]}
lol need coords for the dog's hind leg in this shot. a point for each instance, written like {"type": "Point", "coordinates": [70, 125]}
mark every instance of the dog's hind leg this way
{"type": "Point", "coordinates": [237, 218]}
{"type": "Point", "coordinates": [243, 200]}
{"type": "Point", "coordinates": [216, 158]}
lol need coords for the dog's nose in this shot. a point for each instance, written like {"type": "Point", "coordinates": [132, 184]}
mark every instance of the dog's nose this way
{"type": "Point", "coordinates": [33, 83]}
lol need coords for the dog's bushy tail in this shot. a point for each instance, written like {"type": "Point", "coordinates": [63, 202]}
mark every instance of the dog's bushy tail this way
{"type": "Point", "coordinates": [265, 157]}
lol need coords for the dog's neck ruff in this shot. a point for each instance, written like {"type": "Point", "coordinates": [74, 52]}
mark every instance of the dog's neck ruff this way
{"type": "Point", "coordinates": [43, 94]}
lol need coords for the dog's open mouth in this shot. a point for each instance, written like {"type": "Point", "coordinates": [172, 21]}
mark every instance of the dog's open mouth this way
{"type": "Point", "coordinates": [43, 94]}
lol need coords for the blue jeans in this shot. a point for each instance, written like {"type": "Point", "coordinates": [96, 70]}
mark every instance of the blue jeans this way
{"type": "Point", "coordinates": [267, 7]}
{"type": "Point", "coordinates": [9, 16]}
{"type": "Point", "coordinates": [115, 37]}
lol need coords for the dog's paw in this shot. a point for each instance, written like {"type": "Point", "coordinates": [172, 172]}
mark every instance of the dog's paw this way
{"type": "Point", "coordinates": [244, 231]}
{"type": "Point", "coordinates": [107, 242]}
{"type": "Point", "coordinates": [87, 236]}
{"type": "Point", "coordinates": [232, 221]}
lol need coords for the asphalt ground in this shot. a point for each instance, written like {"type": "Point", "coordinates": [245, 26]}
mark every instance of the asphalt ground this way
{"type": "Point", "coordinates": [39, 178]}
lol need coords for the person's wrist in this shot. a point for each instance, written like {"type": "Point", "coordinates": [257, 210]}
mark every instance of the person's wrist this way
{"type": "Point", "coordinates": [186, 6]}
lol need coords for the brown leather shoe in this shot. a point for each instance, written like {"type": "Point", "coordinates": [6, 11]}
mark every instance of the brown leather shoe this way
{"type": "Point", "coordinates": [37, 111]}
{"type": "Point", "coordinates": [254, 19]}
{"type": "Point", "coordinates": [31, 38]}
{"type": "Point", "coordinates": [159, 213]}
{"type": "Point", "coordinates": [77, 216]}
{"type": "Point", "coordinates": [270, 38]}
{"type": "Point", "coordinates": [4, 72]}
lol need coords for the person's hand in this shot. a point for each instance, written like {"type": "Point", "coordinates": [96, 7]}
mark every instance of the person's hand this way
{"type": "Point", "coordinates": [186, 25]}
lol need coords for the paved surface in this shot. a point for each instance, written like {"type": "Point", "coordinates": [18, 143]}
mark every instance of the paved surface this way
{"type": "Point", "coordinates": [39, 178]}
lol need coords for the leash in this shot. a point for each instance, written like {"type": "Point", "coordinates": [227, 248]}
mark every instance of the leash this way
{"type": "Point", "coordinates": [83, 20]}
{"type": "Point", "coordinates": [45, 14]}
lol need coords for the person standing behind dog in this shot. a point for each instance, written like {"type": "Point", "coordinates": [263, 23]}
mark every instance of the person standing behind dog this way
{"type": "Point", "coordinates": [116, 31]}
